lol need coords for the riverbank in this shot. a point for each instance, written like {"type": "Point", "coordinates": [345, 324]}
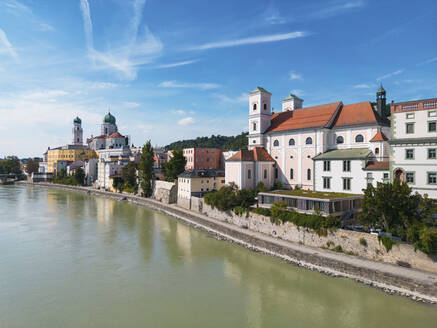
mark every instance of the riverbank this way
{"type": "Point", "coordinates": [416, 284]}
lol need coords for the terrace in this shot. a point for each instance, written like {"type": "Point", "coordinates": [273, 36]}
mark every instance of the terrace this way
{"type": "Point", "coordinates": [307, 201]}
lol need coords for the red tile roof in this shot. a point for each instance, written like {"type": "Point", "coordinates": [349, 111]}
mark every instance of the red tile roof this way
{"type": "Point", "coordinates": [382, 166]}
{"type": "Point", "coordinates": [358, 113]}
{"type": "Point", "coordinates": [379, 136]}
{"type": "Point", "coordinates": [258, 154]}
{"type": "Point", "coordinates": [112, 135]}
{"type": "Point", "coordinates": [308, 117]}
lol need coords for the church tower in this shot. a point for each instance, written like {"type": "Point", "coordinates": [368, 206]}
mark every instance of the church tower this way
{"type": "Point", "coordinates": [108, 126]}
{"type": "Point", "coordinates": [259, 116]}
{"type": "Point", "coordinates": [380, 101]}
{"type": "Point", "coordinates": [77, 131]}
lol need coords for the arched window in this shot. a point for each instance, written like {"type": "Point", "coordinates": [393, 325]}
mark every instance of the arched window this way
{"type": "Point", "coordinates": [265, 106]}
{"type": "Point", "coordinates": [339, 140]}
{"type": "Point", "coordinates": [254, 106]}
{"type": "Point", "coordinates": [309, 174]}
{"type": "Point", "coordinates": [291, 174]}
{"type": "Point", "coordinates": [276, 143]}
{"type": "Point", "coordinates": [377, 151]}
{"type": "Point", "coordinates": [291, 142]}
{"type": "Point", "coordinates": [359, 138]}
{"type": "Point", "coordinates": [309, 141]}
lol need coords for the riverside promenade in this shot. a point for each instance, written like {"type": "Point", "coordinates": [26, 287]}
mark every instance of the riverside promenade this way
{"type": "Point", "coordinates": [416, 284]}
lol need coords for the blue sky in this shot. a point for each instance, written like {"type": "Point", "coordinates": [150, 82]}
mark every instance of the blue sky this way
{"type": "Point", "coordinates": [181, 69]}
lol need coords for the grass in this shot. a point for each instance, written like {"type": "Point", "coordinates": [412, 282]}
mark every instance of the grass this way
{"type": "Point", "coordinates": [313, 194]}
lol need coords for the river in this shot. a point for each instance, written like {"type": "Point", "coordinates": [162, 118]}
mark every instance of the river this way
{"type": "Point", "coordinates": [72, 260]}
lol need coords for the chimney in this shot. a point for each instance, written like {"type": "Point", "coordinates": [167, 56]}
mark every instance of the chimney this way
{"type": "Point", "coordinates": [291, 102]}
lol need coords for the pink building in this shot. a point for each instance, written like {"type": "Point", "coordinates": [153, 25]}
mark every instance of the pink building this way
{"type": "Point", "coordinates": [203, 158]}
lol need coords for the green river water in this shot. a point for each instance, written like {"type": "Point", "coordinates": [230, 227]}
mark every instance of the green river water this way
{"type": "Point", "coordinates": [72, 260]}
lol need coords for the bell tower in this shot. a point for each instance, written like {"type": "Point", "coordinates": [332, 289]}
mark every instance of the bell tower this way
{"type": "Point", "coordinates": [380, 101]}
{"type": "Point", "coordinates": [259, 116]}
{"type": "Point", "coordinates": [77, 131]}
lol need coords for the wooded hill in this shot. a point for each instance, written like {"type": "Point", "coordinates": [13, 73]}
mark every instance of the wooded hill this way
{"type": "Point", "coordinates": [221, 142]}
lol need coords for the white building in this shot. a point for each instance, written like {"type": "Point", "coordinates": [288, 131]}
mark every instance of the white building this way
{"type": "Point", "coordinates": [296, 135]}
{"type": "Point", "coordinates": [414, 145]}
{"type": "Point", "coordinates": [109, 138]}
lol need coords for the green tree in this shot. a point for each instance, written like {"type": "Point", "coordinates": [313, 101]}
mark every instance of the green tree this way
{"type": "Point", "coordinates": [10, 165]}
{"type": "Point", "coordinates": [117, 183]}
{"type": "Point", "coordinates": [175, 166]}
{"type": "Point", "coordinates": [146, 169]}
{"type": "Point", "coordinates": [32, 166]}
{"type": "Point", "coordinates": [129, 177]}
{"type": "Point", "coordinates": [79, 176]}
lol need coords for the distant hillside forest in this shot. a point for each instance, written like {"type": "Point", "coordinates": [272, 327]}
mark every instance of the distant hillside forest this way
{"type": "Point", "coordinates": [221, 142]}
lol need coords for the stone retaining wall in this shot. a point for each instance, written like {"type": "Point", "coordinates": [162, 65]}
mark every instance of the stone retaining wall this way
{"type": "Point", "coordinates": [348, 240]}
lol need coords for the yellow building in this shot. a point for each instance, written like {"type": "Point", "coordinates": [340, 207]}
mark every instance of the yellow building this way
{"type": "Point", "coordinates": [199, 182]}
{"type": "Point", "coordinates": [68, 153]}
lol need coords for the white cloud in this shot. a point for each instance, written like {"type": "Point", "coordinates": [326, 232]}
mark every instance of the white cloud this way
{"type": "Point", "coordinates": [18, 9]}
{"type": "Point", "coordinates": [87, 23]}
{"type": "Point", "coordinates": [295, 76]}
{"type": "Point", "coordinates": [337, 7]}
{"type": "Point", "coordinates": [386, 76]}
{"type": "Point", "coordinates": [298, 92]}
{"type": "Point", "coordinates": [178, 112]}
{"type": "Point", "coordinates": [131, 104]}
{"type": "Point", "coordinates": [6, 46]}
{"type": "Point", "coordinates": [243, 98]}
{"type": "Point", "coordinates": [363, 86]}
{"type": "Point", "coordinates": [429, 61]}
{"type": "Point", "coordinates": [251, 40]}
{"type": "Point", "coordinates": [186, 121]}
{"type": "Point", "coordinates": [183, 63]}
{"type": "Point", "coordinates": [175, 84]}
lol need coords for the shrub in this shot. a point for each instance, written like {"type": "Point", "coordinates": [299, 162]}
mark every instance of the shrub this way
{"type": "Point", "coordinates": [260, 187]}
{"type": "Point", "coordinates": [338, 249]}
{"type": "Point", "coordinates": [262, 211]}
{"type": "Point", "coordinates": [277, 185]}
{"type": "Point", "coordinates": [387, 242]}
{"type": "Point", "coordinates": [428, 240]}
{"type": "Point", "coordinates": [363, 242]}
{"type": "Point", "coordinates": [228, 198]}
{"type": "Point", "coordinates": [329, 243]}
{"type": "Point", "coordinates": [239, 210]}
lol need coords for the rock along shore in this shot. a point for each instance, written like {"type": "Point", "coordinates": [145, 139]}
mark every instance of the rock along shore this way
{"type": "Point", "coordinates": [418, 285]}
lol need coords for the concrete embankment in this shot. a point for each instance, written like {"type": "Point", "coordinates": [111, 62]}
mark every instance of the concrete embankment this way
{"type": "Point", "coordinates": [419, 285]}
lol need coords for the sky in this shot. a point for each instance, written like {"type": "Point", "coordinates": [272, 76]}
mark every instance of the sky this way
{"type": "Point", "coordinates": [171, 70]}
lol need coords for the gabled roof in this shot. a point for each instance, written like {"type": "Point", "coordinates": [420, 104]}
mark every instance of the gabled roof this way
{"type": "Point", "coordinates": [351, 153]}
{"type": "Point", "coordinates": [359, 113]}
{"type": "Point", "coordinates": [377, 166]}
{"type": "Point", "coordinates": [379, 136]}
{"type": "Point", "coordinates": [308, 117]}
{"type": "Point", "coordinates": [257, 154]}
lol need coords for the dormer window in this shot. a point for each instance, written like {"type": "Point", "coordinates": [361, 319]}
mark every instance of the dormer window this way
{"type": "Point", "coordinates": [254, 106]}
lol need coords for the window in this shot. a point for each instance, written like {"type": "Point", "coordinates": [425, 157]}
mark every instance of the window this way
{"type": "Point", "coordinates": [249, 174]}
{"type": "Point", "coordinates": [359, 138]}
{"type": "Point", "coordinates": [385, 176]}
{"type": "Point", "coordinates": [309, 174]}
{"type": "Point", "coordinates": [254, 126]}
{"type": "Point", "coordinates": [276, 143]}
{"type": "Point", "coordinates": [326, 166]}
{"type": "Point", "coordinates": [409, 153]}
{"type": "Point", "coordinates": [432, 153]}
{"type": "Point", "coordinates": [432, 178]}
{"type": "Point", "coordinates": [309, 141]}
{"type": "Point", "coordinates": [409, 128]}
{"type": "Point", "coordinates": [291, 174]}
{"type": "Point", "coordinates": [347, 183]}
{"type": "Point", "coordinates": [409, 177]}
{"type": "Point", "coordinates": [410, 115]}
{"type": "Point", "coordinates": [254, 107]}
{"type": "Point", "coordinates": [291, 142]}
{"type": "Point", "coordinates": [276, 173]}
{"type": "Point", "coordinates": [254, 141]}
{"type": "Point", "coordinates": [432, 114]}
{"type": "Point", "coordinates": [376, 151]}
{"type": "Point", "coordinates": [369, 175]}
{"type": "Point", "coordinates": [265, 174]}
{"type": "Point", "coordinates": [432, 126]}
{"type": "Point", "coordinates": [265, 106]}
{"type": "Point", "coordinates": [326, 183]}
{"type": "Point", "coordinates": [339, 140]}
{"type": "Point", "coordinates": [346, 166]}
